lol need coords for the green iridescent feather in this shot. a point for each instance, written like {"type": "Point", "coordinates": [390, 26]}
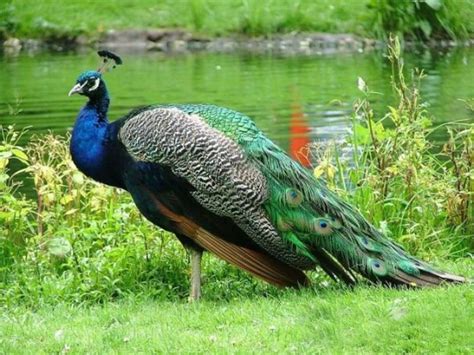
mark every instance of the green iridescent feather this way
{"type": "Point", "coordinates": [311, 218]}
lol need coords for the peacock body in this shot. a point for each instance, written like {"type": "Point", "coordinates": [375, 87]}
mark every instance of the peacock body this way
{"type": "Point", "coordinates": [210, 176]}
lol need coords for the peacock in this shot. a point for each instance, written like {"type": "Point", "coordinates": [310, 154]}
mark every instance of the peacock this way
{"type": "Point", "coordinates": [210, 176]}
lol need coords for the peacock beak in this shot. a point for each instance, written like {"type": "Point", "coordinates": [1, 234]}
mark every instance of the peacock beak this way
{"type": "Point", "coordinates": [77, 89]}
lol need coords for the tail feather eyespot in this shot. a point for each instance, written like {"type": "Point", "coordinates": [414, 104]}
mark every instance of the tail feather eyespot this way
{"type": "Point", "coordinates": [293, 197]}
{"type": "Point", "coordinates": [335, 222]}
{"type": "Point", "coordinates": [377, 266]}
{"type": "Point", "coordinates": [322, 226]}
{"type": "Point", "coordinates": [369, 245]}
{"type": "Point", "coordinates": [282, 224]}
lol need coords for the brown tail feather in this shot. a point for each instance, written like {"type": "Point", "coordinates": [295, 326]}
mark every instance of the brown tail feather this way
{"type": "Point", "coordinates": [426, 279]}
{"type": "Point", "coordinates": [261, 265]}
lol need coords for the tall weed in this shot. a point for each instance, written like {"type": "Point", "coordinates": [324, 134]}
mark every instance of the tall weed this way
{"type": "Point", "coordinates": [420, 194]}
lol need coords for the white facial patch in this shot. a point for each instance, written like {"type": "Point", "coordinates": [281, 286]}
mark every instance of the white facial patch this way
{"type": "Point", "coordinates": [96, 84]}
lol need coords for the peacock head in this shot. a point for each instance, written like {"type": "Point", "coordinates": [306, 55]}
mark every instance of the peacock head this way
{"type": "Point", "coordinates": [89, 84]}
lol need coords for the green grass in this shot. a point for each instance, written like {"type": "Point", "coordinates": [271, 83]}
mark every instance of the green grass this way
{"type": "Point", "coordinates": [207, 16]}
{"type": "Point", "coordinates": [366, 320]}
{"type": "Point", "coordinates": [49, 18]}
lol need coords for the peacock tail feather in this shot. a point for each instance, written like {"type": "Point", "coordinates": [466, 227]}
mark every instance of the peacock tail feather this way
{"type": "Point", "coordinates": [311, 218]}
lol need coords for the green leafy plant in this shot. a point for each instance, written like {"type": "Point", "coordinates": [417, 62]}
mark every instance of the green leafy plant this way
{"type": "Point", "coordinates": [8, 21]}
{"type": "Point", "coordinates": [416, 19]}
{"type": "Point", "coordinates": [16, 211]}
{"type": "Point", "coordinates": [419, 193]}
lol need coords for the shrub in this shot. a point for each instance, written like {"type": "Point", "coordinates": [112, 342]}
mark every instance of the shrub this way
{"type": "Point", "coordinates": [420, 194]}
{"type": "Point", "coordinates": [421, 20]}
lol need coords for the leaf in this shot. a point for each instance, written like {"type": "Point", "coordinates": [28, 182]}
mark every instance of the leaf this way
{"type": "Point", "coordinates": [379, 131]}
{"type": "Point", "coordinates": [71, 211]}
{"type": "Point", "coordinates": [3, 177]}
{"type": "Point", "coordinates": [425, 27]}
{"type": "Point", "coordinates": [426, 122]}
{"type": "Point", "coordinates": [3, 163]}
{"type": "Point", "coordinates": [434, 4]}
{"type": "Point", "coordinates": [6, 216]}
{"type": "Point", "coordinates": [325, 168]}
{"type": "Point", "coordinates": [59, 247]}
{"type": "Point", "coordinates": [361, 134]}
{"type": "Point", "coordinates": [49, 197]}
{"type": "Point", "coordinates": [361, 85]}
{"type": "Point", "coordinates": [20, 154]}
{"type": "Point", "coordinates": [395, 114]}
{"type": "Point", "coordinates": [6, 154]}
{"type": "Point", "coordinates": [384, 228]}
{"type": "Point", "coordinates": [330, 172]}
{"type": "Point", "coordinates": [78, 178]}
{"type": "Point", "coordinates": [66, 199]}
{"type": "Point", "coordinates": [318, 171]}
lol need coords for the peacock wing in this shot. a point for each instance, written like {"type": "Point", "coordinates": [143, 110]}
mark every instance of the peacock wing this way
{"type": "Point", "coordinates": [226, 182]}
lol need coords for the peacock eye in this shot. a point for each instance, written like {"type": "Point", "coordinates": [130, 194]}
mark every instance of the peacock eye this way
{"type": "Point", "coordinates": [92, 84]}
{"type": "Point", "coordinates": [323, 224]}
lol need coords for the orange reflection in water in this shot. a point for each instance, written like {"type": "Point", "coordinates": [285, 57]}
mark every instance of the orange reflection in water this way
{"type": "Point", "coordinates": [299, 136]}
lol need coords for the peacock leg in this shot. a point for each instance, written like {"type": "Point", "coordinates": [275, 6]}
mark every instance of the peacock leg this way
{"type": "Point", "coordinates": [195, 252]}
{"type": "Point", "coordinates": [196, 256]}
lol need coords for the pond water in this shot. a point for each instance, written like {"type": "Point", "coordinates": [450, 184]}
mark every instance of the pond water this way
{"type": "Point", "coordinates": [293, 99]}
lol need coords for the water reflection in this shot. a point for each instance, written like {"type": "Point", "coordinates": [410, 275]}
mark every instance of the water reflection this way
{"type": "Point", "coordinates": [264, 87]}
{"type": "Point", "coordinates": [299, 137]}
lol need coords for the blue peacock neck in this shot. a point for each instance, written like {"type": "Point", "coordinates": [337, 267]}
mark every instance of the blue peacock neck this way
{"type": "Point", "coordinates": [89, 135]}
{"type": "Point", "coordinates": [99, 102]}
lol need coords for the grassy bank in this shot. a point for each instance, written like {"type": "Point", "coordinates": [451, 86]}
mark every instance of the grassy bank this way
{"type": "Point", "coordinates": [369, 18]}
{"type": "Point", "coordinates": [72, 240]}
{"type": "Point", "coordinates": [367, 320]}
{"type": "Point", "coordinates": [81, 270]}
